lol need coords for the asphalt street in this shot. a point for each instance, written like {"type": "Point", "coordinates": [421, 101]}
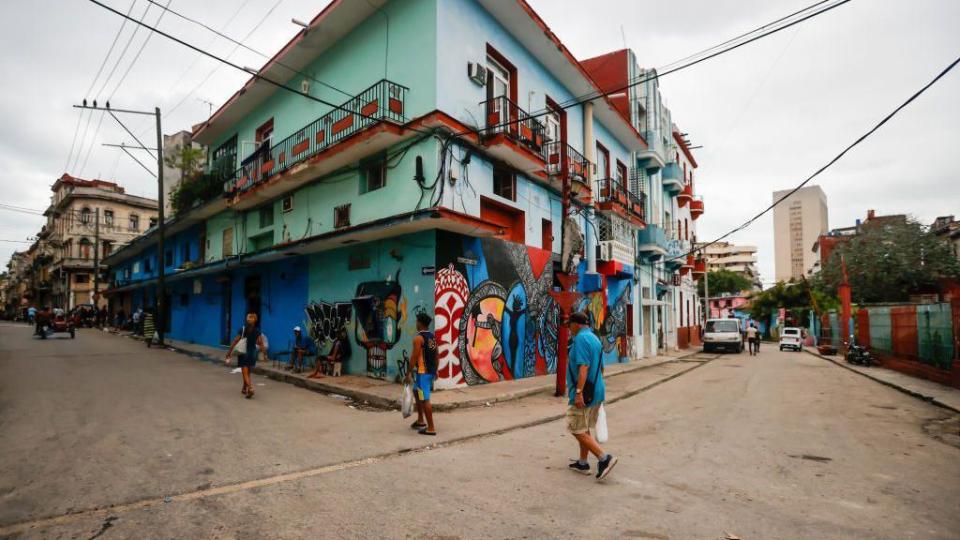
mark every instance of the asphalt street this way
{"type": "Point", "coordinates": [100, 437]}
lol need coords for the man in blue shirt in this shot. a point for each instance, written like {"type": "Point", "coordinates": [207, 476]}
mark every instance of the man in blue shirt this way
{"type": "Point", "coordinates": [586, 393]}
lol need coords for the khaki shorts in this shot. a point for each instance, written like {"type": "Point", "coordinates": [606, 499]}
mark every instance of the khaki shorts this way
{"type": "Point", "coordinates": [582, 420]}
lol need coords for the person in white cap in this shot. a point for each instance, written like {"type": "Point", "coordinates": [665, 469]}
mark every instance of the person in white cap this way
{"type": "Point", "coordinates": [302, 346]}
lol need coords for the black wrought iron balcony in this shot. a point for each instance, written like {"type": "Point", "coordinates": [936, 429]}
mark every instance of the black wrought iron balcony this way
{"type": "Point", "coordinates": [562, 157]}
{"type": "Point", "coordinates": [613, 196]}
{"type": "Point", "coordinates": [504, 117]}
{"type": "Point", "coordinates": [382, 102]}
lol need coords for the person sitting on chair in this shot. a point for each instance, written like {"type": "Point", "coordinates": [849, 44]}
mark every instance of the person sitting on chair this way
{"type": "Point", "coordinates": [334, 358]}
{"type": "Point", "coordinates": [302, 346]}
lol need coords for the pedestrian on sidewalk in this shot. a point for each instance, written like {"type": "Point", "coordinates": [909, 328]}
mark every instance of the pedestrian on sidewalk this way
{"type": "Point", "coordinates": [424, 364]}
{"type": "Point", "coordinates": [753, 339]}
{"type": "Point", "coordinates": [149, 326]}
{"type": "Point", "coordinates": [587, 392]}
{"type": "Point", "coordinates": [302, 346]}
{"type": "Point", "coordinates": [250, 332]}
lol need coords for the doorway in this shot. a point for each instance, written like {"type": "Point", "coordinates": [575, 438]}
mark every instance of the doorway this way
{"type": "Point", "coordinates": [251, 292]}
{"type": "Point", "coordinates": [226, 305]}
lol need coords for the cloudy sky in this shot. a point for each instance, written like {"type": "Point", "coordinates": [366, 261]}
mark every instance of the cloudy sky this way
{"type": "Point", "coordinates": [767, 115]}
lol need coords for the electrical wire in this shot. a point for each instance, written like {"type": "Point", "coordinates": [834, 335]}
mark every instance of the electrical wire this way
{"type": "Point", "coordinates": [251, 49]}
{"type": "Point", "coordinates": [830, 163]}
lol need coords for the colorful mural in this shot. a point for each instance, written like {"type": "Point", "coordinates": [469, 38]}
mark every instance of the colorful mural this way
{"type": "Point", "coordinates": [494, 317]}
{"type": "Point", "coordinates": [380, 311]}
{"type": "Point", "coordinates": [608, 319]}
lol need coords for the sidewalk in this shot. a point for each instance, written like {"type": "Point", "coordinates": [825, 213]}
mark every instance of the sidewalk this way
{"type": "Point", "coordinates": [386, 395]}
{"type": "Point", "coordinates": [935, 393]}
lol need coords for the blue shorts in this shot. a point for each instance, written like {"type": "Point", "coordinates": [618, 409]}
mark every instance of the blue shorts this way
{"type": "Point", "coordinates": [422, 384]}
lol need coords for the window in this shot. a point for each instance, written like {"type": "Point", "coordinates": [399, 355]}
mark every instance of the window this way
{"type": "Point", "coordinates": [621, 174]}
{"type": "Point", "coordinates": [227, 242]}
{"type": "Point", "coordinates": [107, 247]}
{"type": "Point", "coordinates": [168, 258]}
{"type": "Point", "coordinates": [603, 161]}
{"type": "Point", "coordinates": [108, 218]}
{"type": "Point", "coordinates": [153, 222]}
{"type": "Point", "coordinates": [373, 176]}
{"type": "Point", "coordinates": [341, 216]}
{"type": "Point", "coordinates": [185, 252]}
{"type": "Point", "coordinates": [498, 80]}
{"type": "Point", "coordinates": [147, 265]}
{"type": "Point", "coordinates": [224, 158]}
{"type": "Point", "coordinates": [546, 235]}
{"type": "Point", "coordinates": [134, 222]}
{"type": "Point", "coordinates": [84, 248]}
{"type": "Point", "coordinates": [81, 278]}
{"type": "Point", "coordinates": [264, 139]}
{"type": "Point", "coordinates": [287, 205]}
{"type": "Point", "coordinates": [266, 216]}
{"type": "Point", "coordinates": [504, 183]}
{"type": "Point", "coordinates": [85, 216]}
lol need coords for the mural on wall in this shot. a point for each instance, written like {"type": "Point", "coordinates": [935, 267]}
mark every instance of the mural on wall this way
{"type": "Point", "coordinates": [327, 319]}
{"type": "Point", "coordinates": [494, 317]}
{"type": "Point", "coordinates": [380, 310]}
{"type": "Point", "coordinates": [608, 319]}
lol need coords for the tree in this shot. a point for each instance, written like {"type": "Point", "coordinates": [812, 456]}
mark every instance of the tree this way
{"type": "Point", "coordinates": [725, 281]}
{"type": "Point", "coordinates": [890, 260]}
{"type": "Point", "coordinates": [188, 159]}
{"type": "Point", "coordinates": [794, 297]}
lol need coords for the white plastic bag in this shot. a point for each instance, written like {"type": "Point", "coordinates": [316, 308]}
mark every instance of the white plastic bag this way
{"type": "Point", "coordinates": [241, 347]}
{"type": "Point", "coordinates": [602, 434]}
{"type": "Point", "coordinates": [406, 401]}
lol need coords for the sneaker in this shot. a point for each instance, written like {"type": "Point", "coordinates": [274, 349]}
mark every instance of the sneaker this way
{"type": "Point", "coordinates": [582, 468]}
{"type": "Point", "coordinates": [604, 466]}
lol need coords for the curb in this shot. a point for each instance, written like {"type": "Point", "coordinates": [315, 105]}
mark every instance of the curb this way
{"type": "Point", "coordinates": [381, 402]}
{"type": "Point", "coordinates": [913, 393]}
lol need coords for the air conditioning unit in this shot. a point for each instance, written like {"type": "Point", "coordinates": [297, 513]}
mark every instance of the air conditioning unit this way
{"type": "Point", "coordinates": [477, 73]}
{"type": "Point", "coordinates": [611, 250]}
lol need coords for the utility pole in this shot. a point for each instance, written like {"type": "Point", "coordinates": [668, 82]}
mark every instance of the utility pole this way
{"type": "Point", "coordinates": [161, 260]}
{"type": "Point", "coordinates": [706, 293]}
{"type": "Point", "coordinates": [161, 290]}
{"type": "Point", "coordinates": [96, 258]}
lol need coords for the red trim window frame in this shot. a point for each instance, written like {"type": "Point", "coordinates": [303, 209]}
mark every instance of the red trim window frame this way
{"type": "Point", "coordinates": [502, 60]}
{"type": "Point", "coordinates": [264, 133]}
{"type": "Point", "coordinates": [561, 113]}
{"type": "Point", "coordinates": [622, 175]}
{"type": "Point", "coordinates": [601, 149]}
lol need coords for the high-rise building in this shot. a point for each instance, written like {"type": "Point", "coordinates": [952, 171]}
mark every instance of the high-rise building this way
{"type": "Point", "coordinates": [735, 258]}
{"type": "Point", "coordinates": [797, 223]}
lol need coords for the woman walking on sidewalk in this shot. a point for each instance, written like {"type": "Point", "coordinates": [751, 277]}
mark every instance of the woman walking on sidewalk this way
{"type": "Point", "coordinates": [253, 342]}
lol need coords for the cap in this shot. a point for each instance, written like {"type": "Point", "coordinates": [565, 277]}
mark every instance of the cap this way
{"type": "Point", "coordinates": [296, 329]}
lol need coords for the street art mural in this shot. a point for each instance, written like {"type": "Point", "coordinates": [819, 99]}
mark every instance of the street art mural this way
{"type": "Point", "coordinates": [327, 319]}
{"type": "Point", "coordinates": [608, 319]}
{"type": "Point", "coordinates": [380, 310]}
{"type": "Point", "coordinates": [494, 317]}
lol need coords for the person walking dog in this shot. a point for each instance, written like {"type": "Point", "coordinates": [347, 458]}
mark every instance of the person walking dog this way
{"type": "Point", "coordinates": [587, 392]}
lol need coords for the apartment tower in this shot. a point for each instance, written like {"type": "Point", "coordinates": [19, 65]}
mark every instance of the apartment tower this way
{"type": "Point", "coordinates": [797, 223]}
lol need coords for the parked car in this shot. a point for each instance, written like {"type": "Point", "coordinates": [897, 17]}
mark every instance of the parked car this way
{"type": "Point", "coordinates": [723, 334]}
{"type": "Point", "coordinates": [791, 338]}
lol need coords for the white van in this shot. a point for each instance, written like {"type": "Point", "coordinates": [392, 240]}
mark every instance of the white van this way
{"type": "Point", "coordinates": [723, 334]}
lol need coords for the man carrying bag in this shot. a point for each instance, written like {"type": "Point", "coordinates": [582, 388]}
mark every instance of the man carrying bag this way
{"type": "Point", "coordinates": [586, 394]}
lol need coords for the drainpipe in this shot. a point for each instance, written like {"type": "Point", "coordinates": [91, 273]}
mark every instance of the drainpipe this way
{"type": "Point", "coordinates": [589, 152]}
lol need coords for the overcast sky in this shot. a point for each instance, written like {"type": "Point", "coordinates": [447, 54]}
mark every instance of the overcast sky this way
{"type": "Point", "coordinates": [767, 115]}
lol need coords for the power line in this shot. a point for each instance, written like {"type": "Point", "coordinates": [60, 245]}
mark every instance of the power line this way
{"type": "Point", "coordinates": [254, 74]}
{"type": "Point", "coordinates": [255, 51]}
{"type": "Point", "coordinates": [836, 158]}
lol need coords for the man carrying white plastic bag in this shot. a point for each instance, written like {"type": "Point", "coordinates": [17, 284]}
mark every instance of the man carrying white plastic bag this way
{"type": "Point", "coordinates": [586, 394]}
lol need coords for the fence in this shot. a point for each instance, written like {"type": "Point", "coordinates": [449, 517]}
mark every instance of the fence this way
{"type": "Point", "coordinates": [921, 340]}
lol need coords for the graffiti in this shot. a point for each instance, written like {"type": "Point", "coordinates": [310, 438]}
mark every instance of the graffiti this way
{"type": "Point", "coordinates": [327, 319]}
{"type": "Point", "coordinates": [380, 310]}
{"type": "Point", "coordinates": [495, 318]}
{"type": "Point", "coordinates": [449, 301]}
{"type": "Point", "coordinates": [609, 322]}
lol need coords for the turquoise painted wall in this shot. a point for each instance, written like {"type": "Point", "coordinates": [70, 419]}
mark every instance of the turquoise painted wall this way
{"type": "Point", "coordinates": [332, 281]}
{"type": "Point", "coordinates": [361, 58]}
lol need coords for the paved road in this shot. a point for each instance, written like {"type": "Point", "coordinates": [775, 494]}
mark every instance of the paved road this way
{"type": "Point", "coordinates": [782, 445]}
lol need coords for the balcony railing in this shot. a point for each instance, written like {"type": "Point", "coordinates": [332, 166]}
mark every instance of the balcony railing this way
{"type": "Point", "coordinates": [561, 156]}
{"type": "Point", "coordinates": [384, 101]}
{"type": "Point", "coordinates": [505, 117]}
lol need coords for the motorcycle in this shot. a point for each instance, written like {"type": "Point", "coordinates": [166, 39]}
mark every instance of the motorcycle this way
{"type": "Point", "coordinates": [858, 354]}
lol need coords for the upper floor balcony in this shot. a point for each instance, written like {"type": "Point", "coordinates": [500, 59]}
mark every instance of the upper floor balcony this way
{"type": "Point", "coordinates": [563, 158]}
{"type": "Point", "coordinates": [696, 207]}
{"type": "Point", "coordinates": [513, 137]}
{"type": "Point", "coordinates": [364, 125]}
{"type": "Point", "coordinates": [652, 241]}
{"type": "Point", "coordinates": [672, 178]}
{"type": "Point", "coordinates": [613, 197]}
{"type": "Point", "coordinates": [653, 158]}
{"type": "Point", "coordinates": [686, 195]}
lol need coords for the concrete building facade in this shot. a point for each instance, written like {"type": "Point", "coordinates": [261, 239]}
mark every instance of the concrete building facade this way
{"type": "Point", "coordinates": [797, 223]}
{"type": "Point", "coordinates": [736, 258]}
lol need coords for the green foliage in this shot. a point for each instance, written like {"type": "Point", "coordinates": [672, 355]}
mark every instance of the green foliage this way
{"type": "Point", "coordinates": [795, 297]}
{"type": "Point", "coordinates": [195, 191]}
{"type": "Point", "coordinates": [188, 159]}
{"type": "Point", "coordinates": [725, 281]}
{"type": "Point", "coordinates": [889, 260]}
